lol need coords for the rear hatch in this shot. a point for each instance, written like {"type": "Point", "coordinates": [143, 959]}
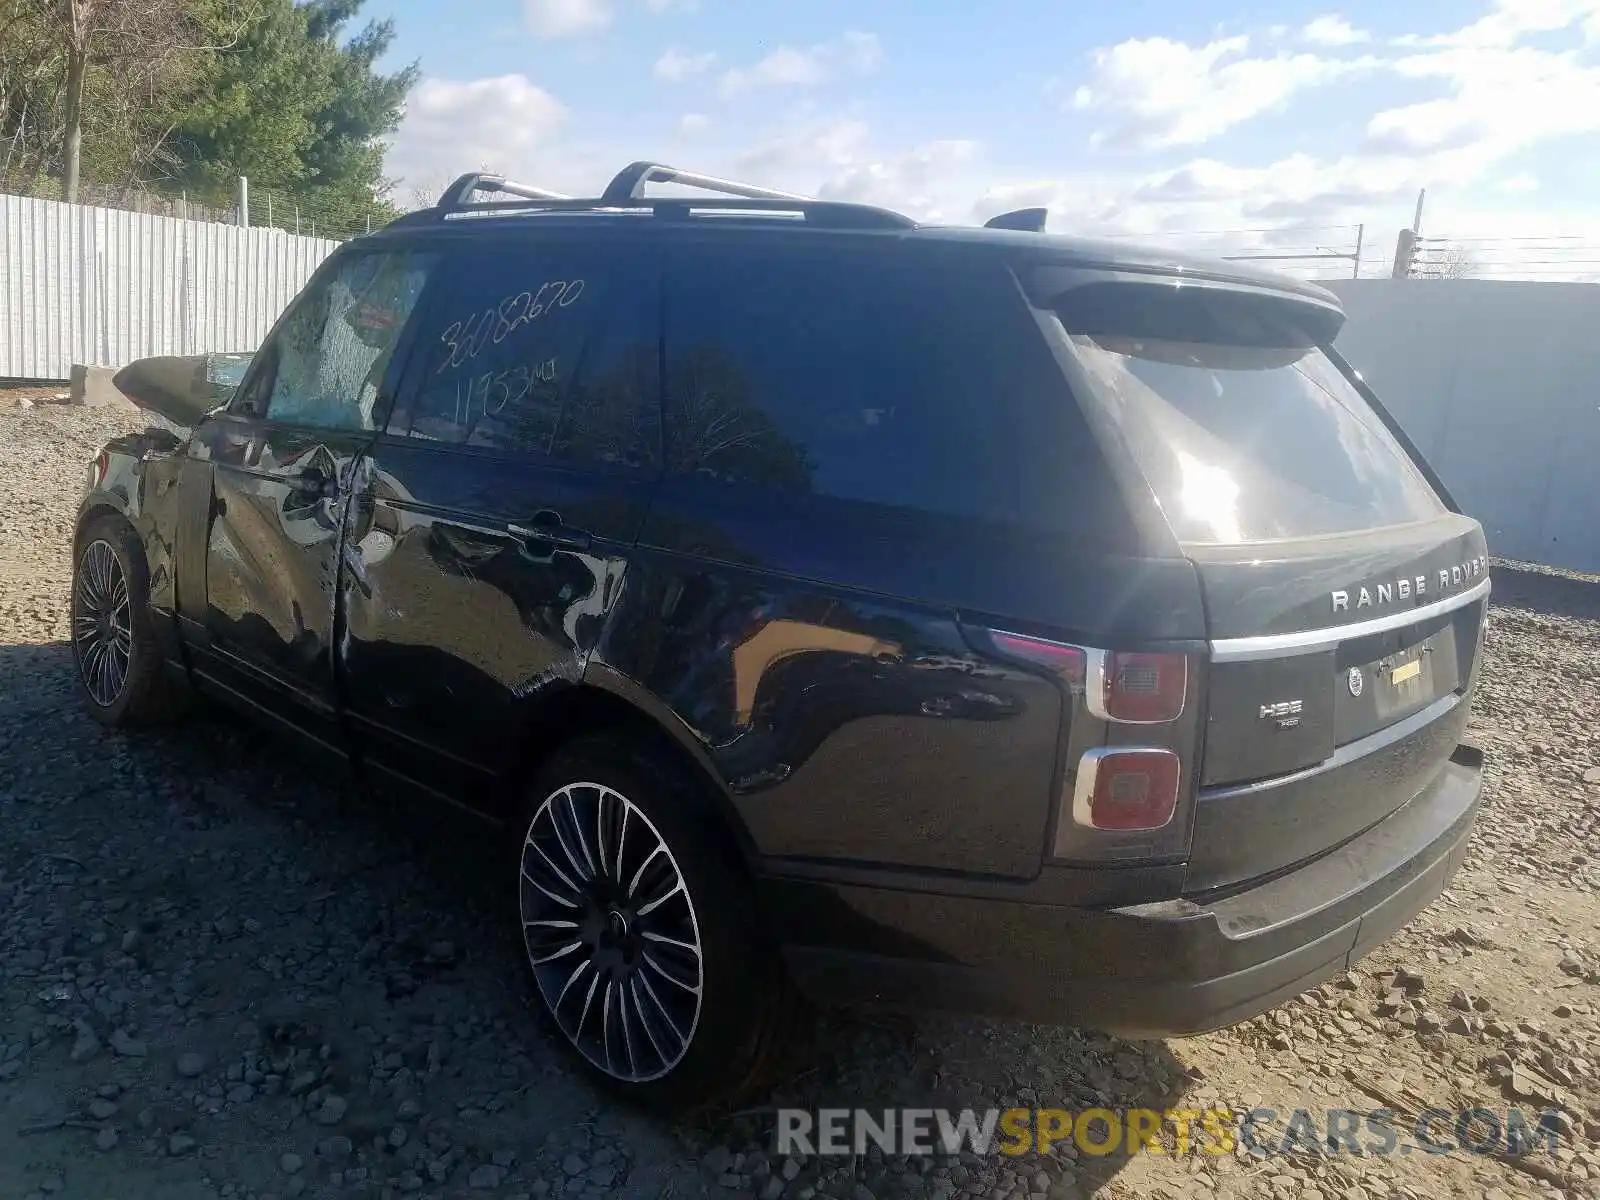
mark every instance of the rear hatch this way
{"type": "Point", "coordinates": [1344, 598]}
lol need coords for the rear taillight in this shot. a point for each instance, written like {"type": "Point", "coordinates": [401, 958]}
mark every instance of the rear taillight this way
{"type": "Point", "coordinates": [1126, 789]}
{"type": "Point", "coordinates": [99, 469]}
{"type": "Point", "coordinates": [1119, 802]}
{"type": "Point", "coordinates": [1136, 688]}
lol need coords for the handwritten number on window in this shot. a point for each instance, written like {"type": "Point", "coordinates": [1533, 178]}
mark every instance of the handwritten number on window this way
{"type": "Point", "coordinates": [490, 393]}
{"type": "Point", "coordinates": [464, 340]}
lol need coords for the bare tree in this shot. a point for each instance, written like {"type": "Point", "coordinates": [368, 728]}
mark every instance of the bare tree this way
{"type": "Point", "coordinates": [80, 35]}
{"type": "Point", "coordinates": [426, 190]}
{"type": "Point", "coordinates": [143, 43]}
{"type": "Point", "coordinates": [1446, 261]}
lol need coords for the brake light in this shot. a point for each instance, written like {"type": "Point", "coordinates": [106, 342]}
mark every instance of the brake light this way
{"type": "Point", "coordinates": [1135, 688]}
{"type": "Point", "coordinates": [1126, 789]}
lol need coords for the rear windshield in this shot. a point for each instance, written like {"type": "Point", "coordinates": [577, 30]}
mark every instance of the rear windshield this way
{"type": "Point", "coordinates": [1249, 442]}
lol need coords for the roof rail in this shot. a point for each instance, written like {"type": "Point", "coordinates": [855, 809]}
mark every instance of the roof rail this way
{"type": "Point", "coordinates": [628, 184]}
{"type": "Point", "coordinates": [462, 191]}
{"type": "Point", "coordinates": [625, 192]}
{"type": "Point", "coordinates": [1029, 219]}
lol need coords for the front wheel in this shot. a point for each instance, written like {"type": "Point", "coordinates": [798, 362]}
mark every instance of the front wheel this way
{"type": "Point", "coordinates": [120, 667]}
{"type": "Point", "coordinates": [640, 932]}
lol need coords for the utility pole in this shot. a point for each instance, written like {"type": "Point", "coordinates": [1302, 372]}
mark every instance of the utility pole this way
{"type": "Point", "coordinates": [1405, 252]}
{"type": "Point", "coordinates": [1361, 234]}
{"type": "Point", "coordinates": [244, 201]}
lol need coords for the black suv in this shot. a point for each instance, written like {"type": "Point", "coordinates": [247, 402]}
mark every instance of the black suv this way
{"type": "Point", "coordinates": [827, 605]}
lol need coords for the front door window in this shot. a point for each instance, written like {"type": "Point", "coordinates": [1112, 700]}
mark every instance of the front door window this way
{"type": "Point", "coordinates": [329, 357]}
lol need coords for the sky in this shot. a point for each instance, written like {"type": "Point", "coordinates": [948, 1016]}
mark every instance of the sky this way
{"type": "Point", "coordinates": [1202, 122]}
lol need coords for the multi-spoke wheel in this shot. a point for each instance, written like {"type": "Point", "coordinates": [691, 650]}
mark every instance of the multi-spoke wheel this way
{"type": "Point", "coordinates": [102, 622]}
{"type": "Point", "coordinates": [610, 932]}
{"type": "Point", "coordinates": [119, 663]}
{"type": "Point", "coordinates": [641, 933]}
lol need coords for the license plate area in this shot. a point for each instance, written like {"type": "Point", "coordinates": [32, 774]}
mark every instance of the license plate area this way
{"type": "Point", "coordinates": [1385, 678]}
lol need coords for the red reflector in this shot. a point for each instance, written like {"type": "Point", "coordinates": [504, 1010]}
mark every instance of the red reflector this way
{"type": "Point", "coordinates": [1065, 661]}
{"type": "Point", "coordinates": [1126, 789]}
{"type": "Point", "coordinates": [1142, 689]}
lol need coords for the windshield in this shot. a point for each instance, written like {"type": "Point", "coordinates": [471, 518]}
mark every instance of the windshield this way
{"type": "Point", "coordinates": [1246, 443]}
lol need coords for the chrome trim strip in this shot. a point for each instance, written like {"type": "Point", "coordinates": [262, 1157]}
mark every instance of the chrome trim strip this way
{"type": "Point", "coordinates": [1251, 649]}
{"type": "Point", "coordinates": [1094, 683]}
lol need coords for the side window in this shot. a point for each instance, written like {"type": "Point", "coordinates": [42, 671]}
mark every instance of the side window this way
{"type": "Point", "coordinates": [874, 379]}
{"type": "Point", "coordinates": [550, 353]}
{"type": "Point", "coordinates": [327, 360]}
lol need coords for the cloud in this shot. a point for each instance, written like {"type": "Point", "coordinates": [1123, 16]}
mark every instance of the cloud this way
{"type": "Point", "coordinates": [793, 158]}
{"type": "Point", "coordinates": [1477, 103]}
{"type": "Point", "coordinates": [1509, 21]}
{"type": "Point", "coordinates": [789, 66]}
{"type": "Point", "coordinates": [914, 181]}
{"type": "Point", "coordinates": [1333, 30]}
{"type": "Point", "coordinates": [451, 126]}
{"type": "Point", "coordinates": [1163, 93]}
{"type": "Point", "coordinates": [839, 159]}
{"type": "Point", "coordinates": [1522, 182]}
{"type": "Point", "coordinates": [672, 6]}
{"type": "Point", "coordinates": [1500, 99]}
{"type": "Point", "coordinates": [676, 66]}
{"type": "Point", "coordinates": [566, 18]}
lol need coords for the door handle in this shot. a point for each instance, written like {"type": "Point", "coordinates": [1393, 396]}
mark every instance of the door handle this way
{"type": "Point", "coordinates": [546, 528]}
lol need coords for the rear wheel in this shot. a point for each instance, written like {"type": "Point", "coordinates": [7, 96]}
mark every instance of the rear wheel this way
{"type": "Point", "coordinates": [640, 932]}
{"type": "Point", "coordinates": [120, 667]}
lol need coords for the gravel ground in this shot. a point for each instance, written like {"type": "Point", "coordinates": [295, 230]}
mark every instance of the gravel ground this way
{"type": "Point", "coordinates": [224, 976]}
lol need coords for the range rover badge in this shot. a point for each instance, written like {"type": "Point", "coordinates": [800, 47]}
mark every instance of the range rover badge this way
{"type": "Point", "coordinates": [1356, 681]}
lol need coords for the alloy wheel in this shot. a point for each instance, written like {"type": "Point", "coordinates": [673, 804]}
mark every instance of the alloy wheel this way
{"type": "Point", "coordinates": [610, 931]}
{"type": "Point", "coordinates": [102, 625]}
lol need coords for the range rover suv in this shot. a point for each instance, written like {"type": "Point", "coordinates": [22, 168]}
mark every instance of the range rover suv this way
{"type": "Point", "coordinates": [827, 606]}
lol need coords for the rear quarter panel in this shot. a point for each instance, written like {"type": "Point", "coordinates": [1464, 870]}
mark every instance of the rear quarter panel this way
{"type": "Point", "coordinates": [846, 722]}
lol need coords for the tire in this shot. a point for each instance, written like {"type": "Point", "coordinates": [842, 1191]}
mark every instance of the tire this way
{"type": "Point", "coordinates": [619, 869]}
{"type": "Point", "coordinates": [118, 660]}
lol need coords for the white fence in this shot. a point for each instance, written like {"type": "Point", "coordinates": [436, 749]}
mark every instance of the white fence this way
{"type": "Point", "coordinates": [1498, 384]}
{"type": "Point", "coordinates": [103, 286]}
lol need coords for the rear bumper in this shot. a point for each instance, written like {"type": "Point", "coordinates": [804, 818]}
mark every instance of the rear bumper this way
{"type": "Point", "coordinates": [1152, 970]}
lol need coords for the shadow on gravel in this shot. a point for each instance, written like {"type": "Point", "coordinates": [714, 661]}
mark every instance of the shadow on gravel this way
{"type": "Point", "coordinates": [383, 881]}
{"type": "Point", "coordinates": [22, 669]}
{"type": "Point", "coordinates": [1550, 594]}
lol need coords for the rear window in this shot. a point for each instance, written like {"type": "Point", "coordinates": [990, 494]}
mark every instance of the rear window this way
{"type": "Point", "coordinates": [1245, 432]}
{"type": "Point", "coordinates": [873, 378]}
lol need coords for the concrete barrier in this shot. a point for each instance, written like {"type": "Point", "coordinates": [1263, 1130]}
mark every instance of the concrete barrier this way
{"type": "Point", "coordinates": [92, 386]}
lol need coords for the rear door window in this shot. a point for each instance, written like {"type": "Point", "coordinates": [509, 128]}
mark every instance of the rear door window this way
{"type": "Point", "coordinates": [872, 377]}
{"type": "Point", "coordinates": [1245, 430]}
{"type": "Point", "coordinates": [543, 351]}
